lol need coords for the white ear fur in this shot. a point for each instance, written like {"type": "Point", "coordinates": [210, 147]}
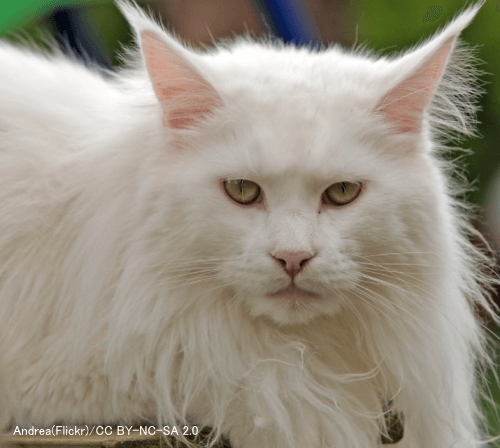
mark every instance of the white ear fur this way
{"type": "Point", "coordinates": [185, 96]}
{"type": "Point", "coordinates": [416, 76]}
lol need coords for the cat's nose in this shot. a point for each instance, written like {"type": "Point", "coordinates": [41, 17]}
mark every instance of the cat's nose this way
{"type": "Point", "coordinates": [292, 262]}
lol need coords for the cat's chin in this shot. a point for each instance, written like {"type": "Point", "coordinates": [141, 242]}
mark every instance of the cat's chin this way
{"type": "Point", "coordinates": [291, 306]}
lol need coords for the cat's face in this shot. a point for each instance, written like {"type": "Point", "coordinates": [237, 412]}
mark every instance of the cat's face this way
{"type": "Point", "coordinates": [271, 216]}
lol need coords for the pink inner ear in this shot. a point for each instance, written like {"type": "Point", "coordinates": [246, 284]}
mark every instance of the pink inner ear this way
{"type": "Point", "coordinates": [405, 104]}
{"type": "Point", "coordinates": [184, 95]}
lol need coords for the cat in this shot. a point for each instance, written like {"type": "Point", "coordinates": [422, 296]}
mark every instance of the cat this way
{"type": "Point", "coordinates": [260, 238]}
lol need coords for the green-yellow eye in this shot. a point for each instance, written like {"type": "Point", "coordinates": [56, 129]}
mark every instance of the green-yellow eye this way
{"type": "Point", "coordinates": [342, 193]}
{"type": "Point", "coordinates": [242, 191]}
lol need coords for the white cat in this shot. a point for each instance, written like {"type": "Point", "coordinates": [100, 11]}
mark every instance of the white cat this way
{"type": "Point", "coordinates": [260, 238]}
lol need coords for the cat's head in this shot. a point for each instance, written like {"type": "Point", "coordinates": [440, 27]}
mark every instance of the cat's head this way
{"type": "Point", "coordinates": [304, 180]}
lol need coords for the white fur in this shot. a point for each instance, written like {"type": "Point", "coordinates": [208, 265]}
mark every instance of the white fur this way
{"type": "Point", "coordinates": [131, 287]}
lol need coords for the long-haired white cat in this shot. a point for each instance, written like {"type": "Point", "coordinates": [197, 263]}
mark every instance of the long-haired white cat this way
{"type": "Point", "coordinates": [259, 238]}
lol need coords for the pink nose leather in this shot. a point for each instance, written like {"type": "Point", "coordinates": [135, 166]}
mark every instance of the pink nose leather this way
{"type": "Point", "coordinates": [292, 262]}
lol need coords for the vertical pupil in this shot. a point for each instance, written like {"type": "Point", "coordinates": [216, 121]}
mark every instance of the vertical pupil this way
{"type": "Point", "coordinates": [241, 187]}
{"type": "Point", "coordinates": [343, 187]}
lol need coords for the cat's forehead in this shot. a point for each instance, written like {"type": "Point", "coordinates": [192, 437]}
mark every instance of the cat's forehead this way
{"type": "Point", "coordinates": [293, 151]}
{"type": "Point", "coordinates": [269, 73]}
{"type": "Point", "coordinates": [294, 110]}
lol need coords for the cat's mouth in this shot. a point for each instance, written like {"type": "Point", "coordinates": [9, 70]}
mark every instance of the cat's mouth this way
{"type": "Point", "coordinates": [293, 294]}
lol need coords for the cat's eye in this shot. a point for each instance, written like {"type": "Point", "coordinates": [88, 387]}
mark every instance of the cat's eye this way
{"type": "Point", "coordinates": [242, 191]}
{"type": "Point", "coordinates": [342, 193]}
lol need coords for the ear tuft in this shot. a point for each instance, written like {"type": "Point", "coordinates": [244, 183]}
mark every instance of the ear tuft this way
{"type": "Point", "coordinates": [185, 96]}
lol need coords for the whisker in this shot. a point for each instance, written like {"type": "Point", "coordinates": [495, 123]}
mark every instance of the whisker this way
{"type": "Point", "coordinates": [385, 301]}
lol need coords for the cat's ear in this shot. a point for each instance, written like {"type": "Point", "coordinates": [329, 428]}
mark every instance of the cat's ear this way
{"type": "Point", "coordinates": [184, 94]}
{"type": "Point", "coordinates": [415, 77]}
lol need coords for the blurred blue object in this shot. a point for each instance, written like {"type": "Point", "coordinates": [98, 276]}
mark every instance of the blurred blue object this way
{"type": "Point", "coordinates": [290, 20]}
{"type": "Point", "coordinates": [77, 34]}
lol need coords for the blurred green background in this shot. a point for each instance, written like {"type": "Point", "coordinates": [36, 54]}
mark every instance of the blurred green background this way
{"type": "Point", "coordinates": [97, 29]}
